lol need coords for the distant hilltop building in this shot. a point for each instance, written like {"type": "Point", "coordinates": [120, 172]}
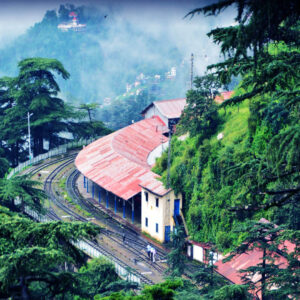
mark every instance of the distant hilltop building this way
{"type": "Point", "coordinates": [171, 74]}
{"type": "Point", "coordinates": [73, 25]}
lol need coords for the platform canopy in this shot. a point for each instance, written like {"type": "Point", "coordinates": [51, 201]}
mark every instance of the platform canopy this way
{"type": "Point", "coordinates": [118, 162]}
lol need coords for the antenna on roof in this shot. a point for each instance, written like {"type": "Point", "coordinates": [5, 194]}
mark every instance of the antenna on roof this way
{"type": "Point", "coordinates": [192, 70]}
{"type": "Point", "coordinates": [169, 159]}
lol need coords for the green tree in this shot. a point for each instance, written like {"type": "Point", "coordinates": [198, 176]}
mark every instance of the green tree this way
{"type": "Point", "coordinates": [34, 90]}
{"type": "Point", "coordinates": [230, 292]}
{"type": "Point", "coordinates": [25, 190]}
{"type": "Point", "coordinates": [263, 48]}
{"type": "Point", "coordinates": [200, 116]}
{"type": "Point", "coordinates": [33, 256]}
{"type": "Point", "coordinates": [207, 277]}
{"type": "Point", "coordinates": [4, 164]}
{"type": "Point", "coordinates": [10, 141]}
{"type": "Point", "coordinates": [166, 290]}
{"type": "Point", "coordinates": [93, 128]}
{"type": "Point", "coordinates": [176, 259]}
{"type": "Point", "coordinates": [90, 109]}
{"type": "Point", "coordinates": [96, 276]}
{"type": "Point", "coordinates": [268, 240]}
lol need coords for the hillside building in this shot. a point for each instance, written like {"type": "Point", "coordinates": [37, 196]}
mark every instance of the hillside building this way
{"type": "Point", "coordinates": [117, 171]}
{"type": "Point", "coordinates": [169, 111]}
{"type": "Point", "coordinates": [118, 174]}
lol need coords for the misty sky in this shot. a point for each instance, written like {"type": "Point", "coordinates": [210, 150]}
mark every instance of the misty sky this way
{"type": "Point", "coordinates": [16, 15]}
{"type": "Point", "coordinates": [160, 20]}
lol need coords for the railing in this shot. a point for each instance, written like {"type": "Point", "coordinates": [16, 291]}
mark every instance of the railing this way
{"type": "Point", "coordinates": [184, 224]}
{"type": "Point", "coordinates": [54, 152]}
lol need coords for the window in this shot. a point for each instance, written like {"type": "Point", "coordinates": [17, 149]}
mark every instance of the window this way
{"type": "Point", "coordinates": [146, 222]}
{"type": "Point", "coordinates": [156, 202]}
{"type": "Point", "coordinates": [146, 196]}
{"type": "Point", "coordinates": [156, 227]}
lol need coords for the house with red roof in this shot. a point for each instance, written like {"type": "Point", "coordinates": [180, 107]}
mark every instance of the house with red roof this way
{"type": "Point", "coordinates": [232, 270]}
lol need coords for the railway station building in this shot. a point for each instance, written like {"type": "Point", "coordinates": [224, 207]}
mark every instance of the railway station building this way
{"type": "Point", "coordinates": [117, 173]}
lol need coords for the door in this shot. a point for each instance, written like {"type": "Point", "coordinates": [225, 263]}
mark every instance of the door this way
{"type": "Point", "coordinates": [176, 207]}
{"type": "Point", "coordinates": [167, 233]}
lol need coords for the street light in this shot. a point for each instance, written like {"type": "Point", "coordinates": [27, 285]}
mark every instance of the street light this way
{"type": "Point", "coordinates": [28, 119]}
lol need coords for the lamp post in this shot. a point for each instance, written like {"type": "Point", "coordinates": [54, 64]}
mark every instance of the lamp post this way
{"type": "Point", "coordinates": [29, 138]}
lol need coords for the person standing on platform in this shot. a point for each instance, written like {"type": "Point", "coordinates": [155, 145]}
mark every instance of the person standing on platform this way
{"type": "Point", "coordinates": [124, 237]}
{"type": "Point", "coordinates": [153, 254]}
{"type": "Point", "coordinates": [149, 251]}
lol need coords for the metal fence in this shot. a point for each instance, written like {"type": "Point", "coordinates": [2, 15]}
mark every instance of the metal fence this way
{"type": "Point", "coordinates": [54, 152]}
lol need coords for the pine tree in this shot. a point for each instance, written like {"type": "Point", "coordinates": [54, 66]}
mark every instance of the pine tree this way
{"type": "Point", "coordinates": [176, 259]}
{"type": "Point", "coordinates": [33, 256]}
{"type": "Point", "coordinates": [268, 239]}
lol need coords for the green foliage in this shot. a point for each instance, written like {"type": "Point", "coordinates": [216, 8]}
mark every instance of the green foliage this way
{"type": "Point", "coordinates": [268, 239]}
{"type": "Point", "coordinates": [200, 115]}
{"type": "Point", "coordinates": [33, 256]}
{"type": "Point", "coordinates": [164, 291]}
{"type": "Point", "coordinates": [176, 259]}
{"type": "Point", "coordinates": [230, 292]}
{"type": "Point", "coordinates": [96, 277]}
{"type": "Point", "coordinates": [35, 90]}
{"type": "Point", "coordinates": [253, 171]}
{"type": "Point", "coordinates": [24, 189]}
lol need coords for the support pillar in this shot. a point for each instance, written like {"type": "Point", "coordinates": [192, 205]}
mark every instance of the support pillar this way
{"type": "Point", "coordinates": [93, 190]}
{"type": "Point", "coordinates": [106, 199]}
{"type": "Point", "coordinates": [124, 216]}
{"type": "Point", "coordinates": [132, 206]}
{"type": "Point", "coordinates": [115, 204]}
{"type": "Point", "coordinates": [84, 181]}
{"type": "Point", "coordinates": [99, 194]}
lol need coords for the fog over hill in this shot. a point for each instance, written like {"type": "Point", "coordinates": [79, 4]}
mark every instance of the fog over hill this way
{"type": "Point", "coordinates": [121, 40]}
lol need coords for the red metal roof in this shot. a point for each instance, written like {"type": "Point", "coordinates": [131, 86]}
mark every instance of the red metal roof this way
{"type": "Point", "coordinates": [155, 186]}
{"type": "Point", "coordinates": [223, 96]}
{"type": "Point", "coordinates": [172, 109]}
{"type": "Point", "coordinates": [118, 162]}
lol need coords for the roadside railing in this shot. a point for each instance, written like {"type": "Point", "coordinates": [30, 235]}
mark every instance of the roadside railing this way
{"type": "Point", "coordinates": [54, 152]}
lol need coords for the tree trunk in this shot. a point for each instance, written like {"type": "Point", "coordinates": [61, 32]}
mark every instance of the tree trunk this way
{"type": "Point", "coordinates": [24, 289]}
{"type": "Point", "coordinates": [22, 205]}
{"type": "Point", "coordinates": [263, 276]}
{"type": "Point", "coordinates": [90, 116]}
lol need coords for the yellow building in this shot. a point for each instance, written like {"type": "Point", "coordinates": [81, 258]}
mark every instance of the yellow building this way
{"type": "Point", "coordinates": [161, 210]}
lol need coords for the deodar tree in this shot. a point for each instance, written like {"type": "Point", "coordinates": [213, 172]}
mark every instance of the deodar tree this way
{"type": "Point", "coordinates": [33, 91]}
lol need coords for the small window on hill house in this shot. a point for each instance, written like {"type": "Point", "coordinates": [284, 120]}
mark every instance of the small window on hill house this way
{"type": "Point", "coordinates": [156, 202]}
{"type": "Point", "coordinates": [156, 227]}
{"type": "Point", "coordinates": [146, 196]}
{"type": "Point", "coordinates": [146, 222]}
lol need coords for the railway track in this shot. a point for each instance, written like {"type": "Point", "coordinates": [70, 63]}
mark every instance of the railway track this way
{"type": "Point", "coordinates": [114, 231]}
{"type": "Point", "coordinates": [75, 216]}
{"type": "Point", "coordinates": [134, 243]}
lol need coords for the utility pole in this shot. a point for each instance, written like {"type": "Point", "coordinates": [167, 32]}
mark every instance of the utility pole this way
{"type": "Point", "coordinates": [29, 138]}
{"type": "Point", "coordinates": [192, 70]}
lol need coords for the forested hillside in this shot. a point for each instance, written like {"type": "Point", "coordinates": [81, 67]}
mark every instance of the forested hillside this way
{"type": "Point", "coordinates": [100, 59]}
{"type": "Point", "coordinates": [251, 170]}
